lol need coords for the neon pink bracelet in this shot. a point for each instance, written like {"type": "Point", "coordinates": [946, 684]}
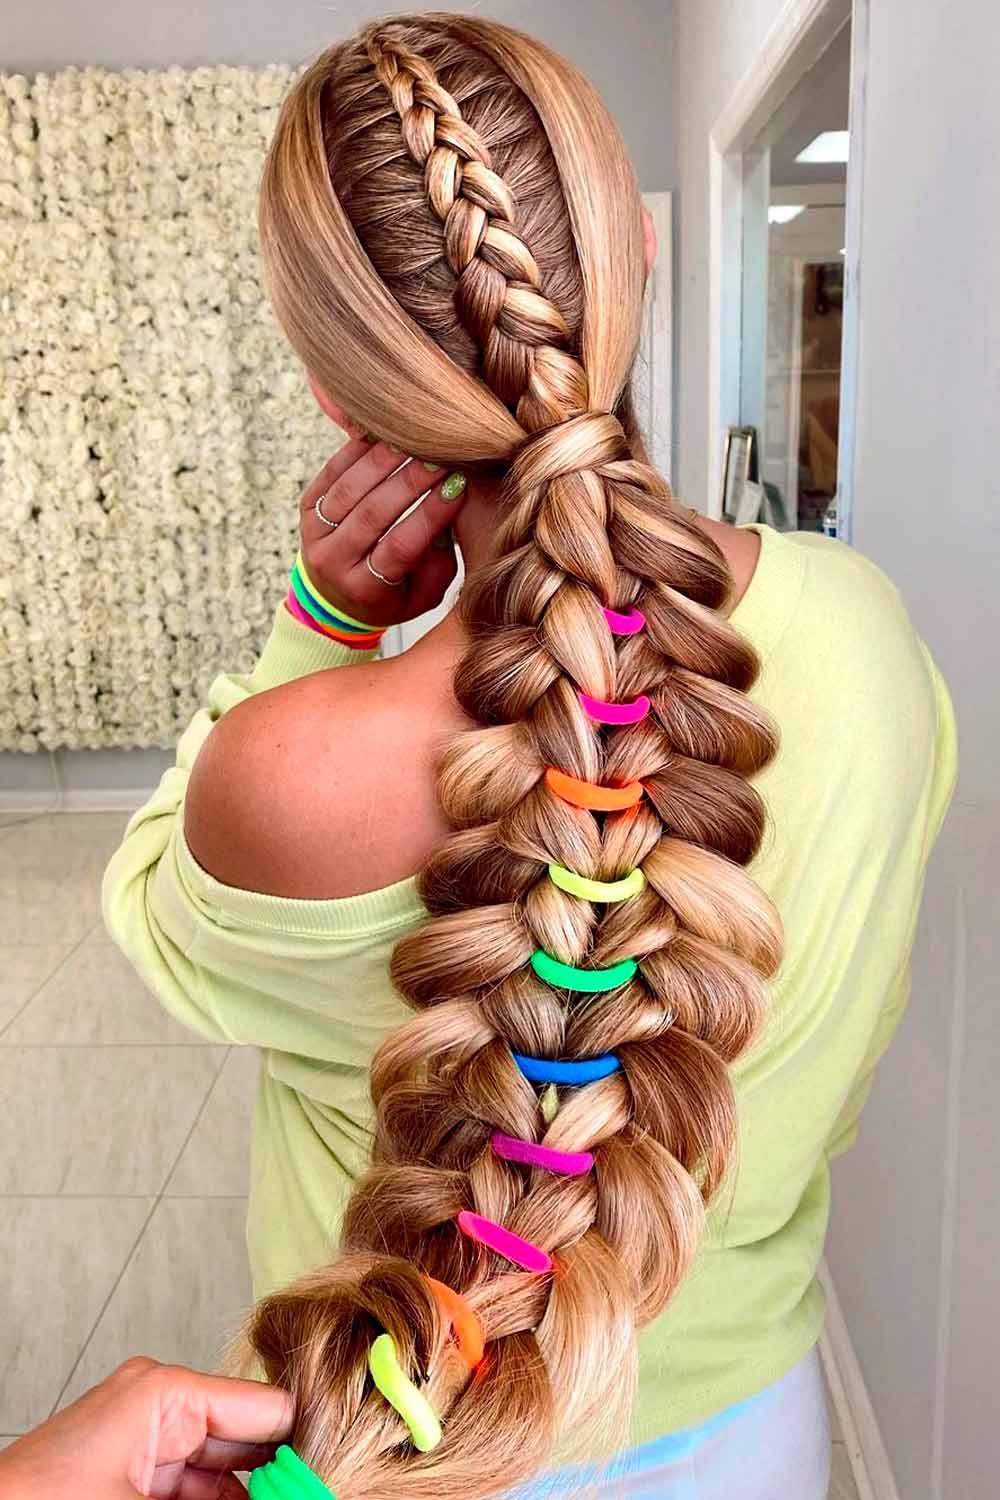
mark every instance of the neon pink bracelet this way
{"type": "Point", "coordinates": [629, 623]}
{"type": "Point", "coordinates": [568, 1163]}
{"type": "Point", "coordinates": [615, 713]}
{"type": "Point", "coordinates": [511, 1246]}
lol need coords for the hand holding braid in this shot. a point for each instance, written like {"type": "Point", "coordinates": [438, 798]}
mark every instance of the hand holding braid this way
{"type": "Point", "coordinates": [554, 1118]}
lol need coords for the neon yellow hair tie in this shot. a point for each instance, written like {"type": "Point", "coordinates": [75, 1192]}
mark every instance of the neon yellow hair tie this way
{"type": "Point", "coordinates": [331, 608]}
{"type": "Point", "coordinates": [597, 890]}
{"type": "Point", "coordinates": [400, 1392]}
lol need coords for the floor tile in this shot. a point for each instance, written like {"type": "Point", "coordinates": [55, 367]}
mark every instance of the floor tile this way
{"type": "Point", "coordinates": [183, 1295]}
{"type": "Point", "coordinates": [99, 1120]}
{"type": "Point", "coordinates": [23, 970]}
{"type": "Point", "coordinates": [61, 1259]}
{"type": "Point", "coordinates": [96, 998]}
{"type": "Point", "coordinates": [842, 1486]}
{"type": "Point", "coordinates": [215, 1161]}
{"type": "Point", "coordinates": [50, 875]}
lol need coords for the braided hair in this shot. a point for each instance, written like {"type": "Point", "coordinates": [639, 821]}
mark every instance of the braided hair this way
{"type": "Point", "coordinates": [452, 238]}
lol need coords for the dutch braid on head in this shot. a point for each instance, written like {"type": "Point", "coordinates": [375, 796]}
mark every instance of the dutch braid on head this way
{"type": "Point", "coordinates": [484, 220]}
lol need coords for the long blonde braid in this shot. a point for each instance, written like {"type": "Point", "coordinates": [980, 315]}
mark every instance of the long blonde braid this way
{"type": "Point", "coordinates": [583, 527]}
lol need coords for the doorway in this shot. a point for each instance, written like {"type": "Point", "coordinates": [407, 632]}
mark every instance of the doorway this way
{"type": "Point", "coordinates": [787, 158]}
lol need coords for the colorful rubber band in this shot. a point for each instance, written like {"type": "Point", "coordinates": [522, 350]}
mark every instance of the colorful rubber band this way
{"type": "Point", "coordinates": [401, 1394]}
{"type": "Point", "coordinates": [465, 1324]}
{"type": "Point", "coordinates": [511, 1246]}
{"type": "Point", "coordinates": [629, 623]}
{"type": "Point", "coordinates": [325, 603]}
{"type": "Point", "coordinates": [286, 1477]}
{"type": "Point", "coordinates": [568, 977]}
{"type": "Point", "coordinates": [566, 1163]}
{"type": "Point", "coordinates": [588, 794]}
{"type": "Point", "coordinates": [615, 713]}
{"type": "Point", "coordinates": [597, 890]}
{"type": "Point", "coordinates": [354, 640]}
{"type": "Point", "coordinates": [316, 610]}
{"type": "Point", "coordinates": [584, 1070]}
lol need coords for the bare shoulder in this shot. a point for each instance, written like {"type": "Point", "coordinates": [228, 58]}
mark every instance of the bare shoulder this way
{"type": "Point", "coordinates": [324, 787]}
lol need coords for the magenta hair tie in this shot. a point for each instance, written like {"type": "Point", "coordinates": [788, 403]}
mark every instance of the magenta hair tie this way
{"type": "Point", "coordinates": [567, 1163]}
{"type": "Point", "coordinates": [629, 623]}
{"type": "Point", "coordinates": [511, 1246]}
{"type": "Point", "coordinates": [615, 713]}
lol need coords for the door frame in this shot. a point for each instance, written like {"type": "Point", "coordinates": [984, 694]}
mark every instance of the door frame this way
{"type": "Point", "coordinates": [801, 33]}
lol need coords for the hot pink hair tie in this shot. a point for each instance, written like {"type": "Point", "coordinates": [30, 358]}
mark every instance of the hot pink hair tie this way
{"type": "Point", "coordinates": [568, 1163]}
{"type": "Point", "coordinates": [615, 713]}
{"type": "Point", "coordinates": [629, 623]}
{"type": "Point", "coordinates": [511, 1246]}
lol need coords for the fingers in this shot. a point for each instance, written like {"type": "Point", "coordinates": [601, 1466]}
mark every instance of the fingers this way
{"type": "Point", "coordinates": [380, 507]}
{"type": "Point", "coordinates": [431, 576]}
{"type": "Point", "coordinates": [196, 1484]}
{"type": "Point", "coordinates": [242, 1411]}
{"type": "Point", "coordinates": [397, 552]}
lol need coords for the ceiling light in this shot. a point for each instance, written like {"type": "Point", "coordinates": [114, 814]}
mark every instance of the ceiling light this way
{"type": "Point", "coordinates": [829, 145]}
{"type": "Point", "coordinates": [782, 213]}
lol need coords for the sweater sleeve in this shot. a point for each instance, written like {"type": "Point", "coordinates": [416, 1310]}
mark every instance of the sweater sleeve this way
{"type": "Point", "coordinates": [155, 944]}
{"type": "Point", "coordinates": [943, 778]}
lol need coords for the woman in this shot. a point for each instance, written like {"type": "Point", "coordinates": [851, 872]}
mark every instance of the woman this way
{"type": "Point", "coordinates": [563, 818]}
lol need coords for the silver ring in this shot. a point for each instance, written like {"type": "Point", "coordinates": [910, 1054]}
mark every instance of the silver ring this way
{"type": "Point", "coordinates": [319, 511]}
{"type": "Point", "coordinates": [394, 583]}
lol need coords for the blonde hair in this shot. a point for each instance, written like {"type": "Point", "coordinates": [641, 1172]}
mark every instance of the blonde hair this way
{"type": "Point", "coordinates": [452, 236]}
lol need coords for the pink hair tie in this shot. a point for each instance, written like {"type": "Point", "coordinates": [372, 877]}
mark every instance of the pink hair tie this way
{"type": "Point", "coordinates": [615, 713]}
{"type": "Point", "coordinates": [568, 1163]}
{"type": "Point", "coordinates": [629, 623]}
{"type": "Point", "coordinates": [511, 1246]}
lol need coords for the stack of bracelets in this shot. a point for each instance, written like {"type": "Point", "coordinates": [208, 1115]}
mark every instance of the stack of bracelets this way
{"type": "Point", "coordinates": [287, 1477]}
{"type": "Point", "coordinates": [309, 607]}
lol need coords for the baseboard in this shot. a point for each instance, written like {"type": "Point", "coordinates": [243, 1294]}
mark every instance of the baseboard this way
{"type": "Point", "coordinates": [31, 801]}
{"type": "Point", "coordinates": [865, 1449]}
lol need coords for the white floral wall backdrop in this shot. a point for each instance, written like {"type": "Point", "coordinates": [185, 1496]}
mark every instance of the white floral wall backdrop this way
{"type": "Point", "coordinates": [155, 428]}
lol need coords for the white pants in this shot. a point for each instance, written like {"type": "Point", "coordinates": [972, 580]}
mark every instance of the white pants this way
{"type": "Point", "coordinates": [774, 1446]}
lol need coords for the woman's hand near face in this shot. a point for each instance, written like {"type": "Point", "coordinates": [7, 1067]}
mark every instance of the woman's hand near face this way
{"type": "Point", "coordinates": [150, 1429]}
{"type": "Point", "coordinates": [365, 487]}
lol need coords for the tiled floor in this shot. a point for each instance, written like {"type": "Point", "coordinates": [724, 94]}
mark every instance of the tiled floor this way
{"type": "Point", "coordinates": [123, 1151]}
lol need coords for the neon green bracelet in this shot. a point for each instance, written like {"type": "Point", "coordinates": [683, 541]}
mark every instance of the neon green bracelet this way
{"type": "Point", "coordinates": [597, 890]}
{"type": "Point", "coordinates": [400, 1392]}
{"type": "Point", "coordinates": [568, 978]}
{"type": "Point", "coordinates": [286, 1477]}
{"type": "Point", "coordinates": [325, 603]}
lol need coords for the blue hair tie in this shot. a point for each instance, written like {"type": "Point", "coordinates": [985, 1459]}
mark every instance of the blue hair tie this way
{"type": "Point", "coordinates": [587, 1070]}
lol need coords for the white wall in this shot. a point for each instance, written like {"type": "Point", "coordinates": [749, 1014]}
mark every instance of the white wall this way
{"type": "Point", "coordinates": [926, 1311]}
{"type": "Point", "coordinates": [624, 51]}
{"type": "Point", "coordinates": [916, 1223]}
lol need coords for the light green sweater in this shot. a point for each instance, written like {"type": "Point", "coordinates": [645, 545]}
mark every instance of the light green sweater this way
{"type": "Point", "coordinates": [855, 797]}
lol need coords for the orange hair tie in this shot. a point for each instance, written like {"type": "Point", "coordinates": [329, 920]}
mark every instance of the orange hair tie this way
{"type": "Point", "coordinates": [588, 794]}
{"type": "Point", "coordinates": [467, 1327]}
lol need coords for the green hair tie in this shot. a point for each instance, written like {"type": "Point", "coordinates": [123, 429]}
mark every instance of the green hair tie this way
{"type": "Point", "coordinates": [287, 1478]}
{"type": "Point", "coordinates": [568, 978]}
{"type": "Point", "coordinates": [597, 890]}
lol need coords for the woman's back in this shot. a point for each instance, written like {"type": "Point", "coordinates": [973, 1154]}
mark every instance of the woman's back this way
{"type": "Point", "coordinates": [854, 800]}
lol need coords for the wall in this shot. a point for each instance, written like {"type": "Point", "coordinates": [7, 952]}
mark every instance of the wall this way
{"type": "Point", "coordinates": [912, 1246]}
{"type": "Point", "coordinates": [627, 55]}
{"type": "Point", "coordinates": [924, 1312]}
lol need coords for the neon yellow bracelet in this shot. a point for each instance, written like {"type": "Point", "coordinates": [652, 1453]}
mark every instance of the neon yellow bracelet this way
{"type": "Point", "coordinates": [597, 890]}
{"type": "Point", "coordinates": [325, 603]}
{"type": "Point", "coordinates": [400, 1392]}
